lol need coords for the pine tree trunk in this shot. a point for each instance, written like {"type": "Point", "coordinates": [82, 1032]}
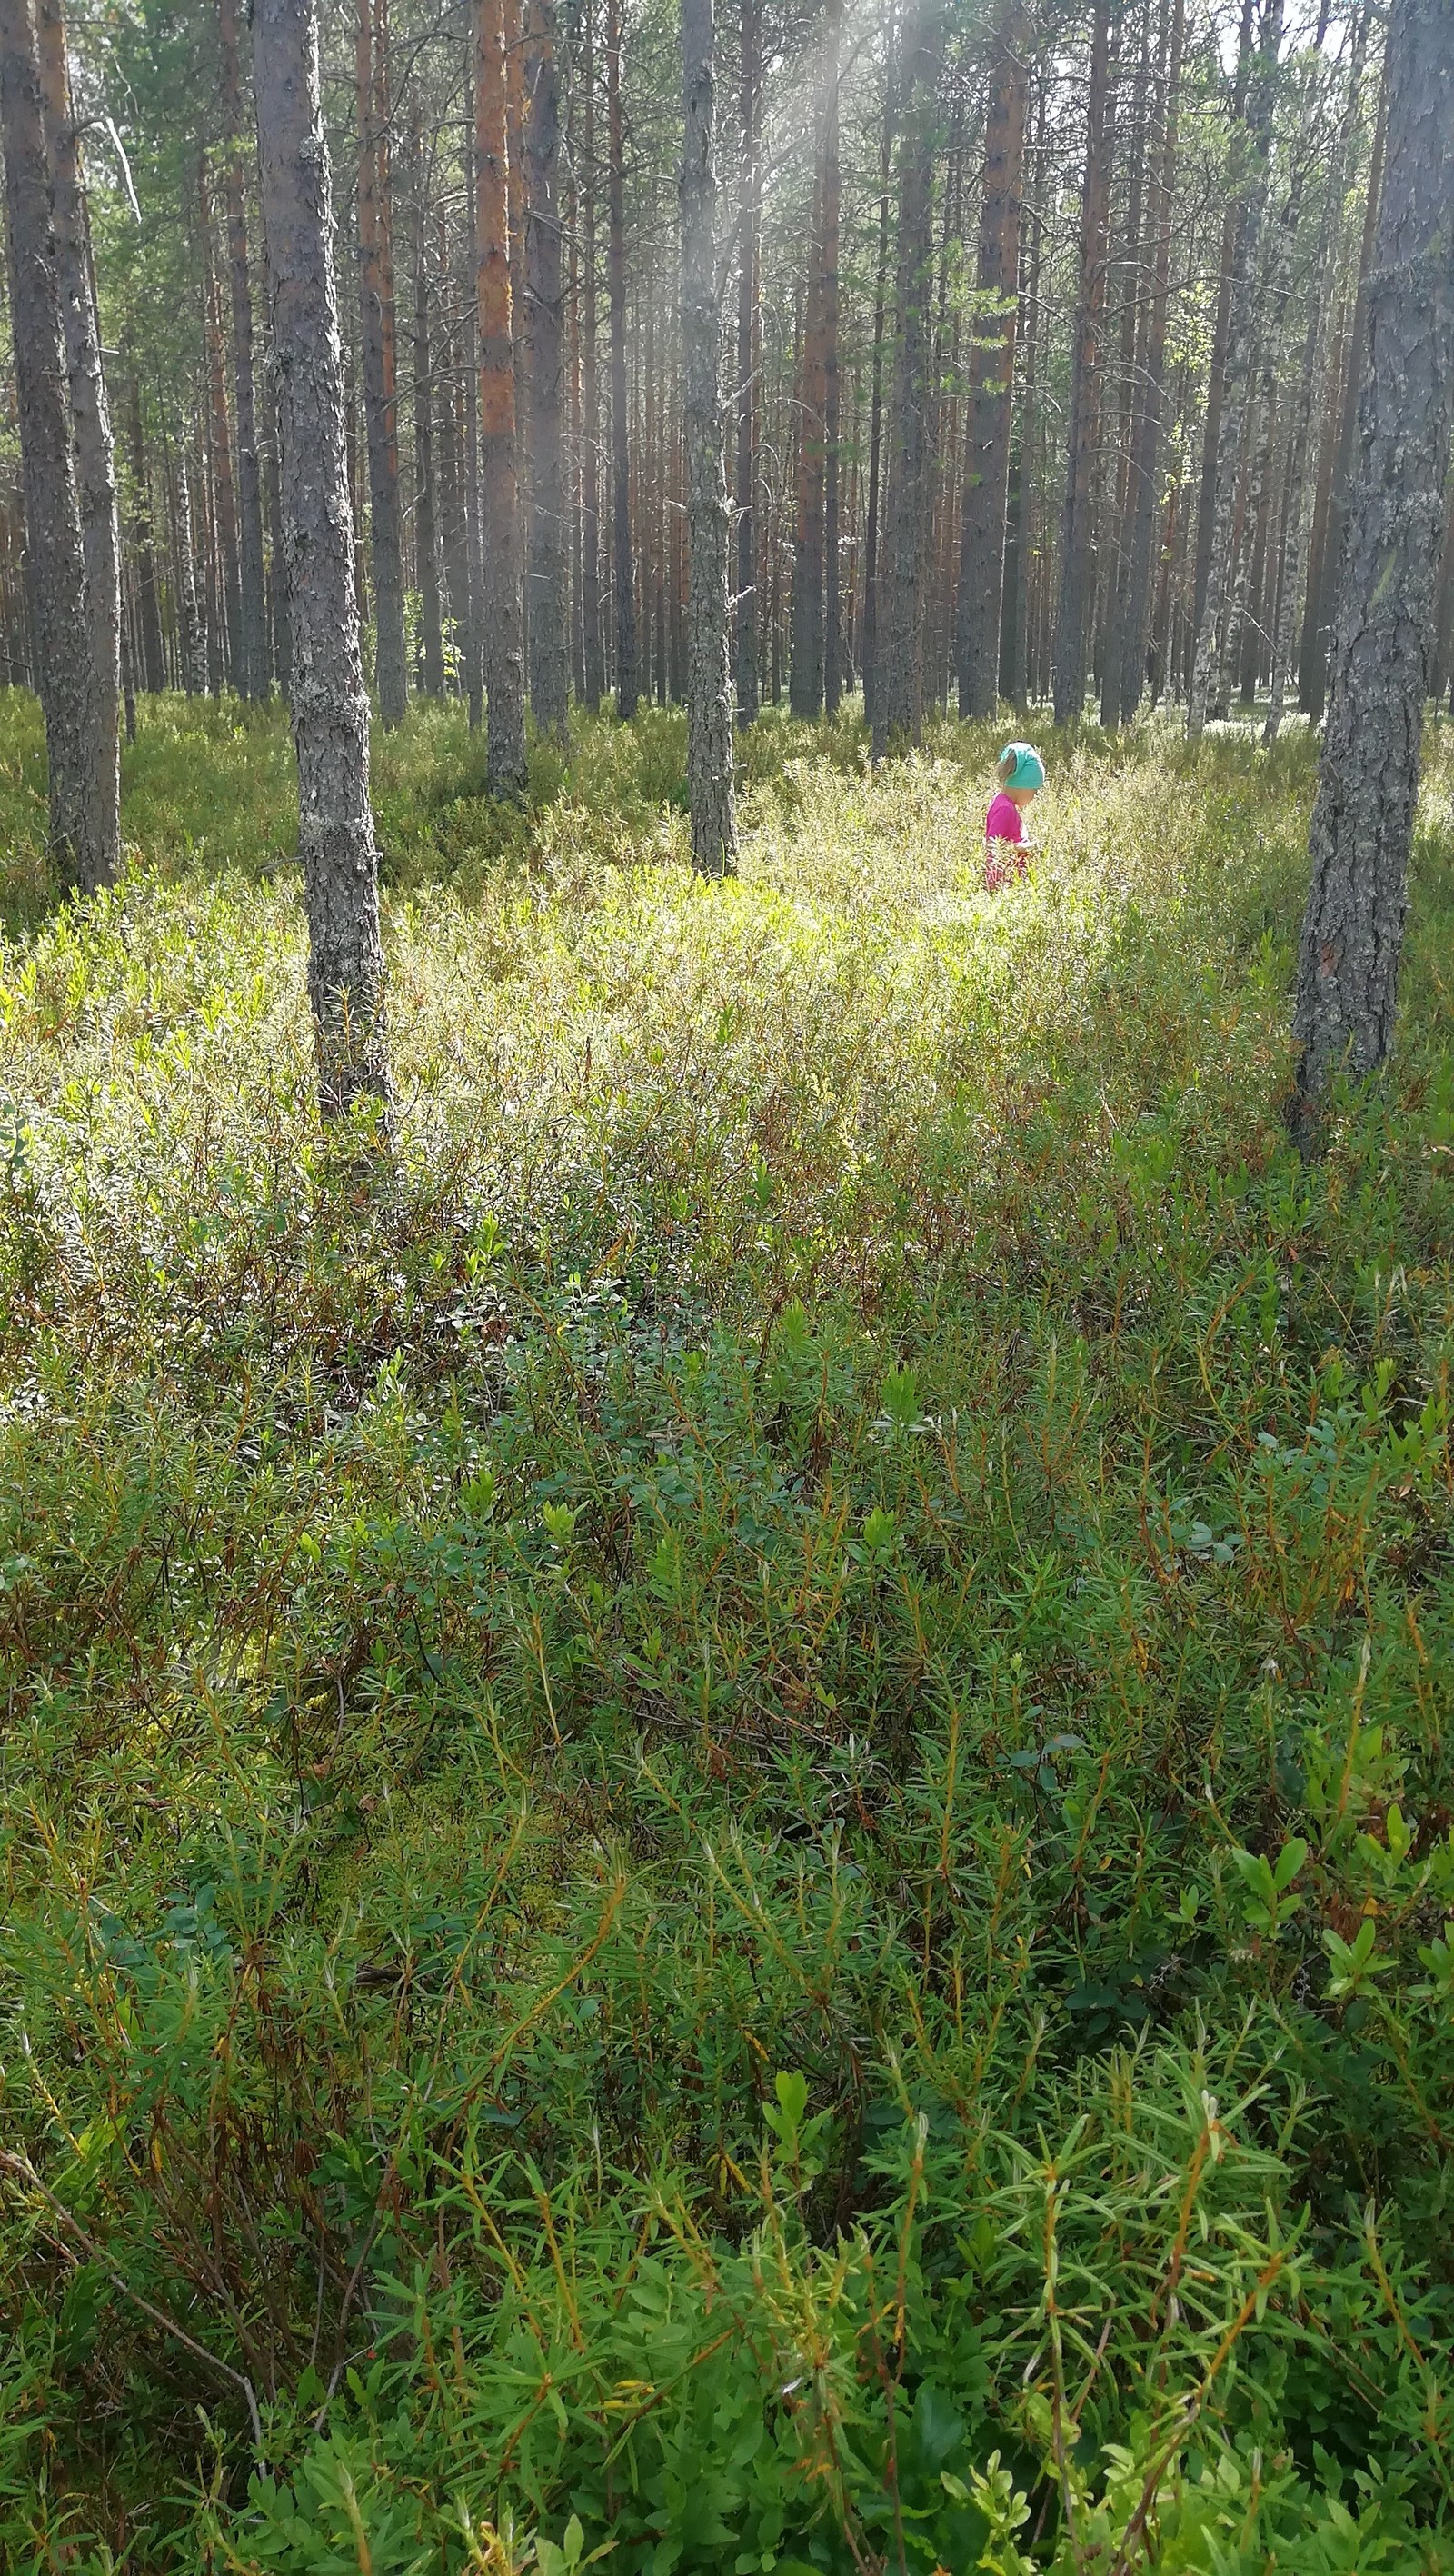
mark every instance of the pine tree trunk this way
{"type": "Point", "coordinates": [1214, 630]}
{"type": "Point", "coordinates": [329, 703]}
{"type": "Point", "coordinates": [470, 440]}
{"type": "Point", "coordinates": [91, 419]}
{"type": "Point", "coordinates": [1146, 438]}
{"type": "Point", "coordinates": [82, 835]}
{"type": "Point", "coordinates": [225, 622]}
{"type": "Point", "coordinates": [191, 625]}
{"type": "Point", "coordinates": [623, 570]}
{"type": "Point", "coordinates": [500, 534]}
{"type": "Point", "coordinates": [805, 668]}
{"type": "Point", "coordinates": [1073, 616]}
{"type": "Point", "coordinates": [1019, 680]}
{"type": "Point", "coordinates": [1217, 373]}
{"type": "Point", "coordinates": [898, 700]}
{"type": "Point", "coordinates": [1368, 776]}
{"type": "Point", "coordinates": [380, 366]}
{"type": "Point", "coordinates": [991, 374]}
{"type": "Point", "coordinates": [549, 571]}
{"type": "Point", "coordinates": [871, 567]}
{"type": "Point", "coordinates": [426, 516]}
{"type": "Point", "coordinates": [592, 649]}
{"type": "Point", "coordinates": [749, 687]}
{"type": "Point", "coordinates": [253, 658]}
{"type": "Point", "coordinates": [832, 205]}
{"type": "Point", "coordinates": [1138, 255]}
{"type": "Point", "coordinates": [709, 625]}
{"type": "Point", "coordinates": [143, 542]}
{"type": "Point", "coordinates": [1315, 690]}
{"type": "Point", "coordinates": [1294, 552]}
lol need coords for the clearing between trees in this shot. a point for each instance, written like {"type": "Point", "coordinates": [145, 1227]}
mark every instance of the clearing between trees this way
{"type": "Point", "coordinates": [728, 1804]}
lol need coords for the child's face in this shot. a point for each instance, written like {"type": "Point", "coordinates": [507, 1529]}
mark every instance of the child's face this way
{"type": "Point", "coordinates": [1022, 796]}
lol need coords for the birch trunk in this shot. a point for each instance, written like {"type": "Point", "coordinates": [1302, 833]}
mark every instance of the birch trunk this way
{"type": "Point", "coordinates": [1073, 616]}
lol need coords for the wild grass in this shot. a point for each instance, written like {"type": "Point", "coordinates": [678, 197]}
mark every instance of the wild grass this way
{"type": "Point", "coordinates": [728, 1822]}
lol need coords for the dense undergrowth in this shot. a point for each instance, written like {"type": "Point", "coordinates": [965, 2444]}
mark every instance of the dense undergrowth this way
{"type": "Point", "coordinates": [728, 1817]}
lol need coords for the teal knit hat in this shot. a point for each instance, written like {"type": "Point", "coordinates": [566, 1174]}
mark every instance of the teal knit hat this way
{"type": "Point", "coordinates": [1029, 768]}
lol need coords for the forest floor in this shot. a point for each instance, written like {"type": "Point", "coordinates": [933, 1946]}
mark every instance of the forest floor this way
{"type": "Point", "coordinates": [727, 1805]}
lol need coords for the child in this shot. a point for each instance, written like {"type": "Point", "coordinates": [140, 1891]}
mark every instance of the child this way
{"type": "Point", "coordinates": [1021, 775]}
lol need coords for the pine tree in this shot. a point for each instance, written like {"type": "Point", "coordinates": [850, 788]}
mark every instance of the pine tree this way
{"type": "Point", "coordinates": [329, 702]}
{"type": "Point", "coordinates": [1368, 774]}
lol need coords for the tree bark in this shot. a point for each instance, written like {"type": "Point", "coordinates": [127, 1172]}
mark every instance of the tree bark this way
{"type": "Point", "coordinates": [871, 567]}
{"type": "Point", "coordinates": [1073, 618]}
{"type": "Point", "coordinates": [1217, 373]}
{"type": "Point", "coordinates": [426, 516]}
{"type": "Point", "coordinates": [1295, 547]}
{"type": "Point", "coordinates": [709, 623]}
{"type": "Point", "coordinates": [592, 645]}
{"type": "Point", "coordinates": [82, 834]}
{"type": "Point", "coordinates": [832, 196]}
{"type": "Point", "coordinates": [991, 374]}
{"type": "Point", "coordinates": [805, 668]}
{"type": "Point", "coordinates": [1146, 439]}
{"type": "Point", "coordinates": [503, 635]}
{"type": "Point", "coordinates": [1212, 632]}
{"type": "Point", "coordinates": [547, 621]}
{"type": "Point", "coordinates": [329, 702]}
{"type": "Point", "coordinates": [253, 658]}
{"type": "Point", "coordinates": [380, 362]}
{"type": "Point", "coordinates": [1316, 683]}
{"type": "Point", "coordinates": [143, 542]}
{"type": "Point", "coordinates": [623, 568]}
{"type": "Point", "coordinates": [91, 418]}
{"type": "Point", "coordinates": [897, 714]}
{"type": "Point", "coordinates": [1368, 776]}
{"type": "Point", "coordinates": [225, 622]}
{"type": "Point", "coordinates": [749, 362]}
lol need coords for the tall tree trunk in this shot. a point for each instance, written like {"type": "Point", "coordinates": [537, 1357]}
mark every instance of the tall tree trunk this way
{"type": "Point", "coordinates": [592, 654]}
{"type": "Point", "coordinates": [1017, 680]}
{"type": "Point", "coordinates": [805, 669]}
{"type": "Point", "coordinates": [504, 638]}
{"type": "Point", "coordinates": [1212, 633]}
{"type": "Point", "coordinates": [871, 569]}
{"type": "Point", "coordinates": [1217, 372]}
{"type": "Point", "coordinates": [623, 568]}
{"type": "Point", "coordinates": [191, 624]}
{"type": "Point", "coordinates": [549, 567]}
{"type": "Point", "coordinates": [143, 542]}
{"type": "Point", "coordinates": [991, 373]}
{"type": "Point", "coordinates": [1073, 617]}
{"type": "Point", "coordinates": [832, 203]}
{"type": "Point", "coordinates": [749, 343]}
{"type": "Point", "coordinates": [426, 515]}
{"type": "Point", "coordinates": [225, 623]}
{"type": "Point", "coordinates": [82, 835]}
{"type": "Point", "coordinates": [1294, 552]}
{"type": "Point", "coordinates": [380, 363]}
{"type": "Point", "coordinates": [1146, 436]}
{"type": "Point", "coordinates": [470, 436]}
{"type": "Point", "coordinates": [90, 414]}
{"type": "Point", "coordinates": [1315, 687]}
{"type": "Point", "coordinates": [1368, 776]}
{"type": "Point", "coordinates": [709, 663]}
{"type": "Point", "coordinates": [330, 704]}
{"type": "Point", "coordinates": [253, 658]}
{"type": "Point", "coordinates": [897, 710]}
